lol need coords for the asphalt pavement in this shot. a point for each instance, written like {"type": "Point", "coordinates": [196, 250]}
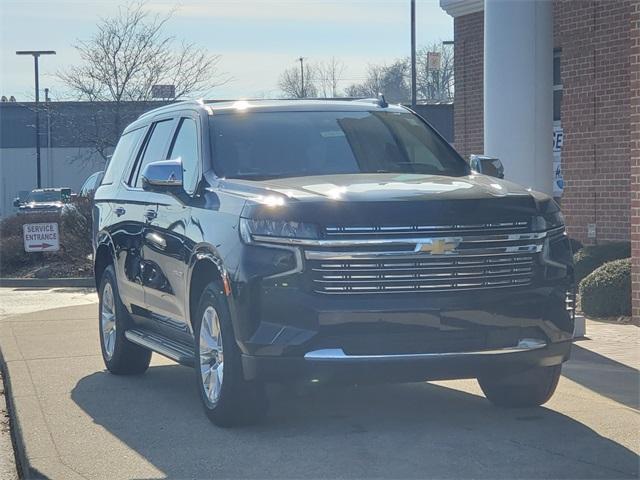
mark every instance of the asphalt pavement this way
{"type": "Point", "coordinates": [77, 421]}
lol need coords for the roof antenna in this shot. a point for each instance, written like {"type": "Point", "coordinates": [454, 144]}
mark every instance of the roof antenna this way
{"type": "Point", "coordinates": [381, 101]}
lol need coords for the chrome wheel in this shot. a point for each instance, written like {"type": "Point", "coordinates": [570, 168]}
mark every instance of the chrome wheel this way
{"type": "Point", "coordinates": [108, 320]}
{"type": "Point", "coordinates": [211, 356]}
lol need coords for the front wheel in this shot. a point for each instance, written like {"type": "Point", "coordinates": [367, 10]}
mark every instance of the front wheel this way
{"type": "Point", "coordinates": [228, 399]}
{"type": "Point", "coordinates": [120, 356]}
{"type": "Point", "coordinates": [530, 388]}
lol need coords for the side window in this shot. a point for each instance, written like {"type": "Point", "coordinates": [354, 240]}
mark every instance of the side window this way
{"type": "Point", "coordinates": [121, 155]}
{"type": "Point", "coordinates": [185, 147]}
{"type": "Point", "coordinates": [155, 148]}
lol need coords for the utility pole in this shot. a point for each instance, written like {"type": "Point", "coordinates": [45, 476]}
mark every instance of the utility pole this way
{"type": "Point", "coordinates": [36, 54]}
{"type": "Point", "coordinates": [302, 92]}
{"type": "Point", "coordinates": [413, 54]}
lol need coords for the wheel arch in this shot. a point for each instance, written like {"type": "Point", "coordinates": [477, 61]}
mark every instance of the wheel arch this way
{"type": "Point", "coordinates": [205, 266]}
{"type": "Point", "coordinates": [103, 257]}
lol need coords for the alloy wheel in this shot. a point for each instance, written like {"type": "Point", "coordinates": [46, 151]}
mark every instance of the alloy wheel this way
{"type": "Point", "coordinates": [108, 320]}
{"type": "Point", "coordinates": [211, 355]}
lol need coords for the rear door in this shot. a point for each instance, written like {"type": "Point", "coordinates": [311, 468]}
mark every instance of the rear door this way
{"type": "Point", "coordinates": [116, 219]}
{"type": "Point", "coordinates": [166, 246]}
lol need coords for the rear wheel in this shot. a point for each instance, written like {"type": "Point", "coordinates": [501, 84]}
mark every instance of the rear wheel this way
{"type": "Point", "coordinates": [530, 388]}
{"type": "Point", "coordinates": [228, 399]}
{"type": "Point", "coordinates": [120, 356]}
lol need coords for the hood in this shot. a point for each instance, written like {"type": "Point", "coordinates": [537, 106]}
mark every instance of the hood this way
{"type": "Point", "coordinates": [383, 187]}
{"type": "Point", "coordinates": [376, 199]}
{"type": "Point", "coordinates": [42, 205]}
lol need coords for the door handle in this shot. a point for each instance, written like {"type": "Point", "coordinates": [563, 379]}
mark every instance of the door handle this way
{"type": "Point", "coordinates": [120, 211]}
{"type": "Point", "coordinates": [155, 239]}
{"type": "Point", "coordinates": [150, 214]}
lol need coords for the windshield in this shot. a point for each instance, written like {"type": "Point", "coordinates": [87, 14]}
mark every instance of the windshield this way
{"type": "Point", "coordinates": [262, 145]}
{"type": "Point", "coordinates": [54, 196]}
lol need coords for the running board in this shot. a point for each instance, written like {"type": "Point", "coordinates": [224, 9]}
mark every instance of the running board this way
{"type": "Point", "coordinates": [176, 351]}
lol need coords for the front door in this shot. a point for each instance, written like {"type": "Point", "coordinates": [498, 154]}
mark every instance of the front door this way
{"type": "Point", "coordinates": [166, 246]}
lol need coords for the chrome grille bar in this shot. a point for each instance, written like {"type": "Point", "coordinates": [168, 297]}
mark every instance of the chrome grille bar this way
{"type": "Point", "coordinates": [413, 254]}
{"type": "Point", "coordinates": [408, 229]}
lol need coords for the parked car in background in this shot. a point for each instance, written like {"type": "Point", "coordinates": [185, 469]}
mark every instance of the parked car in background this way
{"type": "Point", "coordinates": [91, 184]}
{"type": "Point", "coordinates": [324, 241]}
{"type": "Point", "coordinates": [44, 200]}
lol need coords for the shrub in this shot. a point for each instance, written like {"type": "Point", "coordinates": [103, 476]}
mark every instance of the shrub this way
{"type": "Point", "coordinates": [75, 242]}
{"type": "Point", "coordinates": [592, 256]}
{"type": "Point", "coordinates": [606, 292]}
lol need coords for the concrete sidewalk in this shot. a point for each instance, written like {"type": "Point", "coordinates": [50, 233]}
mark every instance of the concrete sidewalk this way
{"type": "Point", "coordinates": [77, 421]}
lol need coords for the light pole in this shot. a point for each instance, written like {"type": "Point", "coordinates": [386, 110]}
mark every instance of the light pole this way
{"type": "Point", "coordinates": [302, 93]}
{"type": "Point", "coordinates": [413, 54]}
{"type": "Point", "coordinates": [36, 54]}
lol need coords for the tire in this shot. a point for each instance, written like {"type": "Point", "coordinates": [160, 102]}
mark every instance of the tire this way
{"type": "Point", "coordinates": [530, 388]}
{"type": "Point", "coordinates": [228, 399]}
{"type": "Point", "coordinates": [121, 357]}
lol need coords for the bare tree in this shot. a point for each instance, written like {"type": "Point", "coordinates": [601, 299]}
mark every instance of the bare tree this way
{"type": "Point", "coordinates": [391, 80]}
{"type": "Point", "coordinates": [329, 74]}
{"type": "Point", "coordinates": [435, 72]}
{"type": "Point", "coordinates": [293, 85]}
{"type": "Point", "coordinates": [129, 54]}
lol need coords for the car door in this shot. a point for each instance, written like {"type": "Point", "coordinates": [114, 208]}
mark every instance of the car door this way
{"type": "Point", "coordinates": [166, 246]}
{"type": "Point", "coordinates": [134, 208]}
{"type": "Point", "coordinates": [116, 205]}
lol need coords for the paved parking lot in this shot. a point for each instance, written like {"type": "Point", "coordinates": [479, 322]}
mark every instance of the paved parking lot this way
{"type": "Point", "coordinates": [77, 421]}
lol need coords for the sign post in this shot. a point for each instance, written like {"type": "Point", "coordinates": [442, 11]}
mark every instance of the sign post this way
{"type": "Point", "coordinates": [41, 237]}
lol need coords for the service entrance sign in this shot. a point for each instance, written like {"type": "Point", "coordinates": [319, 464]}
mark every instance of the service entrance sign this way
{"type": "Point", "coordinates": [41, 237]}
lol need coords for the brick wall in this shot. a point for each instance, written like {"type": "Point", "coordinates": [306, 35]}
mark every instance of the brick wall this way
{"type": "Point", "coordinates": [594, 37]}
{"type": "Point", "coordinates": [634, 58]}
{"type": "Point", "coordinates": [468, 114]}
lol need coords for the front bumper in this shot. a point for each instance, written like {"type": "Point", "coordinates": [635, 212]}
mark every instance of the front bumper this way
{"type": "Point", "coordinates": [332, 365]}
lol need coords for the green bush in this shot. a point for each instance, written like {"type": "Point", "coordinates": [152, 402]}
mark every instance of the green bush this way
{"type": "Point", "coordinates": [606, 292]}
{"type": "Point", "coordinates": [592, 256]}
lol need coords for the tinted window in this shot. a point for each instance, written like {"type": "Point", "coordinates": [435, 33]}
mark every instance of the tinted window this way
{"type": "Point", "coordinates": [46, 196]}
{"type": "Point", "coordinates": [282, 144]}
{"type": "Point", "coordinates": [185, 147]}
{"type": "Point", "coordinates": [121, 155]}
{"type": "Point", "coordinates": [155, 148]}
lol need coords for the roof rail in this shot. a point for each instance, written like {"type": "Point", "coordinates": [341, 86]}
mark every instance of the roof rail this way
{"type": "Point", "coordinates": [171, 106]}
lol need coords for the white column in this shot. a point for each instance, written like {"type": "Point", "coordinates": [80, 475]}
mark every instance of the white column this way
{"type": "Point", "coordinates": [518, 98]}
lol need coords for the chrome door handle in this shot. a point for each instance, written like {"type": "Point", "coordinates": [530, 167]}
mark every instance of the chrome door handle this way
{"type": "Point", "coordinates": [150, 214]}
{"type": "Point", "coordinates": [155, 239]}
{"type": "Point", "coordinates": [120, 211]}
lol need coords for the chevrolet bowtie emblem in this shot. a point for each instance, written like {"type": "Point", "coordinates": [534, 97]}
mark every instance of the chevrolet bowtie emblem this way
{"type": "Point", "coordinates": [438, 246]}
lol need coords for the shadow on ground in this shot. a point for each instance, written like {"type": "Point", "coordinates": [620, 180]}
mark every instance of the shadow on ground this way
{"type": "Point", "coordinates": [602, 375]}
{"type": "Point", "coordinates": [400, 431]}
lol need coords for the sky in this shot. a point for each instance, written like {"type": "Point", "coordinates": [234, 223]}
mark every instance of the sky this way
{"type": "Point", "coordinates": [257, 39]}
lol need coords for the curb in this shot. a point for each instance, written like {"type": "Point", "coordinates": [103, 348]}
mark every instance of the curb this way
{"type": "Point", "coordinates": [88, 282]}
{"type": "Point", "coordinates": [20, 454]}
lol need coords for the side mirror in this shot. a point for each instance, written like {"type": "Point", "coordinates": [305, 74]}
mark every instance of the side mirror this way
{"type": "Point", "coordinates": [16, 202]}
{"type": "Point", "coordinates": [490, 166]}
{"type": "Point", "coordinates": [163, 177]}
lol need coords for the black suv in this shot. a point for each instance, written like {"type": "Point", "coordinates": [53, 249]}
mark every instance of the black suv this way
{"type": "Point", "coordinates": [322, 241]}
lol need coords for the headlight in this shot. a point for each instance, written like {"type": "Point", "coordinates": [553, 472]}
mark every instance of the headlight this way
{"type": "Point", "coordinates": [547, 221]}
{"type": "Point", "coordinates": [251, 228]}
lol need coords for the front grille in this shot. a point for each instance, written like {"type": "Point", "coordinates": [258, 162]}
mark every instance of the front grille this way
{"type": "Point", "coordinates": [452, 229]}
{"type": "Point", "coordinates": [429, 274]}
{"type": "Point", "coordinates": [399, 259]}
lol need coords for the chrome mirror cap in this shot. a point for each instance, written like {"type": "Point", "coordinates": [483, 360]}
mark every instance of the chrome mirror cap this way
{"type": "Point", "coordinates": [162, 175]}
